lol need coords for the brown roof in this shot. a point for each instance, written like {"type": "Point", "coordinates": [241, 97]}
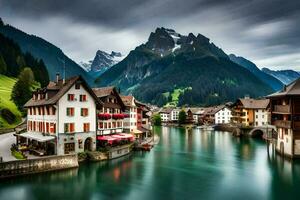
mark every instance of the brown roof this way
{"type": "Point", "coordinates": [213, 110]}
{"type": "Point", "coordinates": [292, 89]}
{"type": "Point", "coordinates": [103, 91]}
{"type": "Point", "coordinates": [166, 110]}
{"type": "Point", "coordinates": [127, 100]}
{"type": "Point", "coordinates": [61, 89]}
{"type": "Point", "coordinates": [255, 103]}
{"type": "Point", "coordinates": [106, 91]}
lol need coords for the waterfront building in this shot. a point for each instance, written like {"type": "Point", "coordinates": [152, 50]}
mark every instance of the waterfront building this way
{"type": "Point", "coordinates": [143, 121]}
{"type": "Point", "coordinates": [165, 114]}
{"type": "Point", "coordinates": [138, 122]}
{"type": "Point", "coordinates": [130, 123]}
{"type": "Point", "coordinates": [61, 118]}
{"type": "Point", "coordinates": [217, 115]}
{"type": "Point", "coordinates": [251, 112]}
{"type": "Point", "coordinates": [111, 115]}
{"type": "Point", "coordinates": [285, 116]}
{"type": "Point", "coordinates": [222, 115]}
{"type": "Point", "coordinates": [174, 115]}
{"type": "Point", "coordinates": [197, 114]}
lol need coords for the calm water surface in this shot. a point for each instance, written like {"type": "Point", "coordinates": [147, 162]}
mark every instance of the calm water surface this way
{"type": "Point", "coordinates": [195, 165]}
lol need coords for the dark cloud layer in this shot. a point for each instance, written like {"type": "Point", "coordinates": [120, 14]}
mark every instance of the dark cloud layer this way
{"type": "Point", "coordinates": [272, 26]}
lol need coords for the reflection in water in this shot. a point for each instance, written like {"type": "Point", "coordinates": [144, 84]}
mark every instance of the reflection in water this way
{"type": "Point", "coordinates": [184, 165]}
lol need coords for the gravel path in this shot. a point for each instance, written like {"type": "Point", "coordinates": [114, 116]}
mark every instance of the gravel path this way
{"type": "Point", "coordinates": [5, 143]}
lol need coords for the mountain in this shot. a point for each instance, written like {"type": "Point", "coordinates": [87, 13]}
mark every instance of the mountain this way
{"type": "Point", "coordinates": [187, 69]}
{"type": "Point", "coordinates": [285, 76]}
{"type": "Point", "coordinates": [13, 61]}
{"type": "Point", "coordinates": [86, 65]}
{"type": "Point", "coordinates": [103, 61]}
{"type": "Point", "coordinates": [274, 83]}
{"type": "Point", "coordinates": [53, 57]}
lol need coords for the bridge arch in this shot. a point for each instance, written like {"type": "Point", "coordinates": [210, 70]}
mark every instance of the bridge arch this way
{"type": "Point", "coordinates": [257, 132]}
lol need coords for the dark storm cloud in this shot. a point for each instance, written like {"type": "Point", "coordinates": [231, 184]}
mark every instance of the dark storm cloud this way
{"type": "Point", "coordinates": [272, 26]}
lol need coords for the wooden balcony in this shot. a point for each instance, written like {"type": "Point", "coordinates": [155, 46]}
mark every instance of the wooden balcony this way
{"type": "Point", "coordinates": [282, 123]}
{"type": "Point", "coordinates": [282, 109]}
{"type": "Point", "coordinates": [297, 125]}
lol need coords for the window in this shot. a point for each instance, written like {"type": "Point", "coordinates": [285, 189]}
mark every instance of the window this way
{"type": "Point", "coordinates": [77, 86]}
{"type": "Point", "coordinates": [82, 97]}
{"type": "Point", "coordinates": [263, 116]}
{"type": "Point", "coordinates": [71, 97]}
{"type": "Point", "coordinates": [69, 127]}
{"type": "Point", "coordinates": [86, 127]}
{"type": "Point", "coordinates": [80, 144]}
{"type": "Point", "coordinates": [84, 112]}
{"type": "Point", "coordinates": [52, 128]}
{"type": "Point", "coordinates": [70, 111]}
{"type": "Point", "coordinates": [256, 116]}
{"type": "Point", "coordinates": [69, 148]}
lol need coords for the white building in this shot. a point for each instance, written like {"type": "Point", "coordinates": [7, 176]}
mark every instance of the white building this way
{"type": "Point", "coordinates": [222, 115]}
{"type": "Point", "coordinates": [61, 118]}
{"type": "Point", "coordinates": [130, 123]}
{"type": "Point", "coordinates": [174, 114]}
{"type": "Point", "coordinates": [111, 115]}
{"type": "Point", "coordinates": [261, 117]}
{"type": "Point", "coordinates": [165, 114]}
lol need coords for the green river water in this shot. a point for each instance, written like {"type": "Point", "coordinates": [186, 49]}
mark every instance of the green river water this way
{"type": "Point", "coordinates": [184, 165]}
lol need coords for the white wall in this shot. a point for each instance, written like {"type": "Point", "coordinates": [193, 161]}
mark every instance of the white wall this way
{"type": "Point", "coordinates": [174, 114]}
{"type": "Point", "coordinates": [286, 139]}
{"type": "Point", "coordinates": [165, 117]}
{"type": "Point", "coordinates": [260, 117]}
{"type": "Point", "coordinates": [223, 116]}
{"type": "Point", "coordinates": [63, 104]}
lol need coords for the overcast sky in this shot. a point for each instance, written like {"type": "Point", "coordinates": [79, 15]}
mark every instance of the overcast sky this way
{"type": "Point", "coordinates": [264, 31]}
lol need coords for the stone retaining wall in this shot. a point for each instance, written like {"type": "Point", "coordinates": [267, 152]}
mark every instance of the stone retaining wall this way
{"type": "Point", "coordinates": [30, 166]}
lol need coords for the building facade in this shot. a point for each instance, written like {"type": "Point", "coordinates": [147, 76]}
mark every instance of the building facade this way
{"type": "Point", "coordinates": [222, 115]}
{"type": "Point", "coordinates": [62, 117]}
{"type": "Point", "coordinates": [111, 115]}
{"type": "Point", "coordinates": [285, 116]}
{"type": "Point", "coordinates": [251, 112]}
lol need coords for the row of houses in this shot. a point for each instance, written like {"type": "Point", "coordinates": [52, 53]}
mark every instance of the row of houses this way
{"type": "Point", "coordinates": [68, 116]}
{"type": "Point", "coordinates": [245, 111]}
{"type": "Point", "coordinates": [198, 115]}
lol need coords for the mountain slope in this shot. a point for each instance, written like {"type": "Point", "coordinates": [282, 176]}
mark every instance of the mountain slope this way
{"type": "Point", "coordinates": [52, 56]}
{"type": "Point", "coordinates": [6, 86]}
{"type": "Point", "coordinates": [285, 76]}
{"type": "Point", "coordinates": [265, 77]}
{"type": "Point", "coordinates": [170, 61]}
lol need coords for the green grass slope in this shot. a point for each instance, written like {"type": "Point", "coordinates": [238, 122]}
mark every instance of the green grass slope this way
{"type": "Point", "coordinates": [6, 86]}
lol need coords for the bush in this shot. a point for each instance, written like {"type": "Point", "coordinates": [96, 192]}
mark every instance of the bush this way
{"type": "Point", "coordinates": [182, 117]}
{"type": "Point", "coordinates": [7, 115]}
{"type": "Point", "coordinates": [156, 120]}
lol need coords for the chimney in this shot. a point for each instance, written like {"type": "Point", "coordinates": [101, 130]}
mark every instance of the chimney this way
{"type": "Point", "coordinates": [57, 77]}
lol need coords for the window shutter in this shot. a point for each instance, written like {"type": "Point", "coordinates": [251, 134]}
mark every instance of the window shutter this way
{"type": "Point", "coordinates": [81, 113]}
{"type": "Point", "coordinates": [66, 127]}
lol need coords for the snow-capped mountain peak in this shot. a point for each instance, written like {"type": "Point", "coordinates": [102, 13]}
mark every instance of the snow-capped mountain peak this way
{"type": "Point", "coordinates": [102, 61]}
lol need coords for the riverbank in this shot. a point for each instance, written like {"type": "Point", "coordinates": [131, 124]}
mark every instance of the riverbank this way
{"type": "Point", "coordinates": [38, 165]}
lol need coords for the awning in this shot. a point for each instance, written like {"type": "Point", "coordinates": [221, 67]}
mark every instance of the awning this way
{"type": "Point", "coordinates": [123, 136]}
{"type": "Point", "coordinates": [109, 139]}
{"type": "Point", "coordinates": [37, 136]}
{"type": "Point", "coordinates": [135, 131]}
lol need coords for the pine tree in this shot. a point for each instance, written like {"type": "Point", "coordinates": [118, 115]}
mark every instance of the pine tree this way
{"type": "Point", "coordinates": [182, 117]}
{"type": "Point", "coordinates": [21, 92]}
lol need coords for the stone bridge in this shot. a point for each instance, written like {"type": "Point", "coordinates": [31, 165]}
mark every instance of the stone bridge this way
{"type": "Point", "coordinates": [266, 132]}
